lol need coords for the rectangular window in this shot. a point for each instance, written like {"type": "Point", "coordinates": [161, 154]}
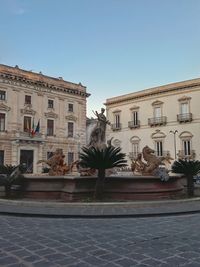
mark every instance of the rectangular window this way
{"type": "Point", "coordinates": [157, 112]}
{"type": "Point", "coordinates": [27, 99]}
{"type": "Point", "coordinates": [70, 107]}
{"type": "Point", "coordinates": [159, 148]}
{"type": "Point", "coordinates": [70, 157]}
{"type": "Point", "coordinates": [1, 157]}
{"type": "Point", "coordinates": [135, 118]}
{"type": "Point", "coordinates": [70, 129]}
{"type": "Point", "coordinates": [27, 124]}
{"type": "Point", "coordinates": [117, 121]}
{"type": "Point", "coordinates": [50, 127]}
{"type": "Point", "coordinates": [2, 95]}
{"type": "Point", "coordinates": [184, 108]}
{"type": "Point", "coordinates": [50, 103]}
{"type": "Point", "coordinates": [135, 149]}
{"type": "Point", "coordinates": [2, 122]}
{"type": "Point", "coordinates": [187, 147]}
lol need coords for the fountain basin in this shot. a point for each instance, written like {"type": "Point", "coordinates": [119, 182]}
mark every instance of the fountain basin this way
{"type": "Point", "coordinates": [72, 188]}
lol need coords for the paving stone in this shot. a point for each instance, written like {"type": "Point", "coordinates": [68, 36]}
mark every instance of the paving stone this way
{"type": "Point", "coordinates": [8, 260]}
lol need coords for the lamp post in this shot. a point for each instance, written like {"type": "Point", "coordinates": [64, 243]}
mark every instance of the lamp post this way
{"type": "Point", "coordinates": [174, 133]}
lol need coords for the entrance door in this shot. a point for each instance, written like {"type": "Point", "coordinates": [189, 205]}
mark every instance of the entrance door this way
{"type": "Point", "coordinates": [26, 158]}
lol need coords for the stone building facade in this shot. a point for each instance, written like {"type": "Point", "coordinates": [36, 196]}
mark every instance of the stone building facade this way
{"type": "Point", "coordinates": [166, 118]}
{"type": "Point", "coordinates": [37, 115]}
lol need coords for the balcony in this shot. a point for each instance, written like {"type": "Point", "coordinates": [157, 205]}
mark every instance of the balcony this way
{"type": "Point", "coordinates": [134, 124]}
{"type": "Point", "coordinates": [133, 155]}
{"type": "Point", "coordinates": [116, 126]}
{"type": "Point", "coordinates": [157, 121]}
{"type": "Point", "coordinates": [26, 136]}
{"type": "Point", "coordinates": [186, 156]}
{"type": "Point", "coordinates": [187, 117]}
{"type": "Point", "coordinates": [162, 154]}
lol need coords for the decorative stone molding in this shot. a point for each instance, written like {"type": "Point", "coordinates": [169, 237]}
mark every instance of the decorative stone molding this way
{"type": "Point", "coordinates": [28, 110]}
{"type": "Point", "coordinates": [134, 108]}
{"type": "Point", "coordinates": [117, 111]}
{"type": "Point", "coordinates": [71, 118]}
{"type": "Point", "coordinates": [158, 135]}
{"type": "Point", "coordinates": [157, 103]}
{"type": "Point", "coordinates": [184, 98]}
{"type": "Point", "coordinates": [51, 114]}
{"type": "Point", "coordinates": [4, 107]}
{"type": "Point", "coordinates": [135, 139]}
{"type": "Point", "coordinates": [185, 135]}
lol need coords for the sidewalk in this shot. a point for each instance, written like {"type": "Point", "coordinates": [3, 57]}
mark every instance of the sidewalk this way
{"type": "Point", "coordinates": [99, 210]}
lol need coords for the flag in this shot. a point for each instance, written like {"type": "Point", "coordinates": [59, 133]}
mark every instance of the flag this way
{"type": "Point", "coordinates": [37, 129]}
{"type": "Point", "coordinates": [33, 126]}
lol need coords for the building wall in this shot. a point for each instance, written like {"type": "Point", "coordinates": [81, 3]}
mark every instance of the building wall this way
{"type": "Point", "coordinates": [169, 98]}
{"type": "Point", "coordinates": [17, 83]}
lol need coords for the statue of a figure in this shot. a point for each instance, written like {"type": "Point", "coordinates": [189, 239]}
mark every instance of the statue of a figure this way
{"type": "Point", "coordinates": [97, 137]}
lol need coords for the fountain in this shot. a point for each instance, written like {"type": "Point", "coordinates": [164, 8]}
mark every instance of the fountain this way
{"type": "Point", "coordinates": [149, 179]}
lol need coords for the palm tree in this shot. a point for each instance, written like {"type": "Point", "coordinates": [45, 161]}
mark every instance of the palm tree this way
{"type": "Point", "coordinates": [189, 168]}
{"type": "Point", "coordinates": [101, 159]}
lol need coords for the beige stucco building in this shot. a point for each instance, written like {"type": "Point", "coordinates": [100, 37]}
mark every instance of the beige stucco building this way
{"type": "Point", "coordinates": [37, 115]}
{"type": "Point", "coordinates": [166, 118]}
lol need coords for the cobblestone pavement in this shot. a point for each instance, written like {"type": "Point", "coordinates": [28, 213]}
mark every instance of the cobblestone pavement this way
{"type": "Point", "coordinates": [156, 241]}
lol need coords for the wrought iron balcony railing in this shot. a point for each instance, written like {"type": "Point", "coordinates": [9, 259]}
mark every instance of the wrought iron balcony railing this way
{"type": "Point", "coordinates": [157, 121]}
{"type": "Point", "coordinates": [134, 124]}
{"type": "Point", "coordinates": [190, 155]}
{"type": "Point", "coordinates": [116, 126]}
{"type": "Point", "coordinates": [184, 117]}
{"type": "Point", "coordinates": [162, 154]}
{"type": "Point", "coordinates": [133, 155]}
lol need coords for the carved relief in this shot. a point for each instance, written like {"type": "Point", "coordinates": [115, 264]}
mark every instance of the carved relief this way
{"type": "Point", "coordinates": [157, 103]}
{"type": "Point", "coordinates": [51, 114]}
{"type": "Point", "coordinates": [184, 98]}
{"type": "Point", "coordinates": [71, 118]}
{"type": "Point", "coordinates": [28, 110]}
{"type": "Point", "coordinates": [4, 107]}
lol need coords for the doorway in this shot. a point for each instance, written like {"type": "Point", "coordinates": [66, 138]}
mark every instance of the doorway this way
{"type": "Point", "coordinates": [26, 159]}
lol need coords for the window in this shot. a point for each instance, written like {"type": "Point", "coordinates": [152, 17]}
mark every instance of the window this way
{"type": "Point", "coordinates": [186, 147]}
{"type": "Point", "coordinates": [135, 150]}
{"type": "Point", "coordinates": [50, 127]}
{"type": "Point", "coordinates": [70, 107]}
{"type": "Point", "coordinates": [117, 121]}
{"type": "Point", "coordinates": [184, 108]}
{"type": "Point", "coordinates": [135, 117]}
{"type": "Point", "coordinates": [70, 129]}
{"type": "Point", "coordinates": [157, 112]}
{"type": "Point", "coordinates": [1, 157]}
{"type": "Point", "coordinates": [2, 122]}
{"type": "Point", "coordinates": [27, 124]}
{"type": "Point", "coordinates": [159, 148]}
{"type": "Point", "coordinates": [70, 157]}
{"type": "Point", "coordinates": [2, 95]}
{"type": "Point", "coordinates": [27, 99]}
{"type": "Point", "coordinates": [50, 103]}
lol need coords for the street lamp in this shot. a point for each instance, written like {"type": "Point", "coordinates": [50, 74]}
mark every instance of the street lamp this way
{"type": "Point", "coordinates": [174, 133]}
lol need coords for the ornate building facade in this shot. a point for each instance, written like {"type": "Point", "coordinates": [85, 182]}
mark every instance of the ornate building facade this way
{"type": "Point", "coordinates": [37, 115]}
{"type": "Point", "coordinates": [166, 118]}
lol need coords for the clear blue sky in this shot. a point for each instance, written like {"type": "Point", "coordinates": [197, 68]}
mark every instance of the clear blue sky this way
{"type": "Point", "coordinates": [113, 47]}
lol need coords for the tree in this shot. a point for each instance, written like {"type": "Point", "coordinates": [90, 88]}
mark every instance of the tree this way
{"type": "Point", "coordinates": [101, 159]}
{"type": "Point", "coordinates": [189, 168]}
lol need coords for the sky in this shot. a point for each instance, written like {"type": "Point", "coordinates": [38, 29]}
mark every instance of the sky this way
{"type": "Point", "coordinates": [113, 47]}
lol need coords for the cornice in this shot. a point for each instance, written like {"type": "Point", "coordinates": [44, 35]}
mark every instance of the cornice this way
{"type": "Point", "coordinates": [71, 118]}
{"type": "Point", "coordinates": [184, 98]}
{"type": "Point", "coordinates": [156, 103]}
{"type": "Point", "coordinates": [28, 110]}
{"type": "Point", "coordinates": [15, 76]}
{"type": "Point", "coordinates": [190, 84]}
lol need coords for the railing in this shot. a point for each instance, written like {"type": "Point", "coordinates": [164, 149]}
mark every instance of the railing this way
{"type": "Point", "coordinates": [187, 117]}
{"type": "Point", "coordinates": [29, 136]}
{"type": "Point", "coordinates": [162, 154]}
{"type": "Point", "coordinates": [157, 121]}
{"type": "Point", "coordinates": [189, 156]}
{"type": "Point", "coordinates": [116, 126]}
{"type": "Point", "coordinates": [134, 124]}
{"type": "Point", "coordinates": [133, 155]}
